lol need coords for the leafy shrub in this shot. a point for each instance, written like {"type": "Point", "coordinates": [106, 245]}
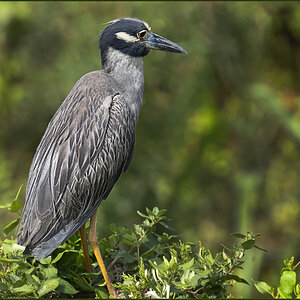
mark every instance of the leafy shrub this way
{"type": "Point", "coordinates": [147, 261]}
{"type": "Point", "coordinates": [288, 287]}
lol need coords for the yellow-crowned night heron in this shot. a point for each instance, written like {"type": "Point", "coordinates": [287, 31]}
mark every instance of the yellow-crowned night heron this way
{"type": "Point", "coordinates": [88, 143]}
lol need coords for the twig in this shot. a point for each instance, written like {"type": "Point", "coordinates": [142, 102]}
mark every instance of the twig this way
{"type": "Point", "coordinates": [297, 264]}
{"type": "Point", "coordinates": [194, 293]}
{"type": "Point", "coordinates": [113, 262]}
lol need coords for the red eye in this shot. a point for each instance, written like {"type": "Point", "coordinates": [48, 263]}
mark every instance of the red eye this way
{"type": "Point", "coordinates": [142, 34]}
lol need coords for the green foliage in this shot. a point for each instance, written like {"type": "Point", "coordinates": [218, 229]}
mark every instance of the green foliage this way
{"type": "Point", "coordinates": [26, 277]}
{"type": "Point", "coordinates": [217, 142]}
{"type": "Point", "coordinates": [13, 207]}
{"type": "Point", "coordinates": [288, 286]}
{"type": "Point", "coordinates": [183, 274]}
{"type": "Point", "coordinates": [146, 261]}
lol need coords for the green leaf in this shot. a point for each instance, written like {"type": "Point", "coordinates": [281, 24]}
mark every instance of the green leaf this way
{"type": "Point", "coordinates": [66, 287]}
{"type": "Point", "coordinates": [150, 213]}
{"type": "Point", "coordinates": [102, 294]}
{"type": "Point", "coordinates": [248, 244]}
{"type": "Point", "coordinates": [283, 294]}
{"type": "Point", "coordinates": [161, 212]}
{"type": "Point", "coordinates": [48, 286]}
{"type": "Point", "coordinates": [225, 256]}
{"type": "Point", "coordinates": [256, 235]}
{"type": "Point", "coordinates": [128, 258]}
{"type": "Point", "coordinates": [50, 272]}
{"type": "Point", "coordinates": [24, 289]}
{"type": "Point", "coordinates": [287, 283]}
{"type": "Point", "coordinates": [167, 226]}
{"type": "Point", "coordinates": [297, 290]}
{"type": "Point", "coordinates": [11, 226]}
{"type": "Point", "coordinates": [289, 263]}
{"type": "Point", "coordinates": [259, 248]}
{"type": "Point", "coordinates": [81, 283]}
{"type": "Point", "coordinates": [238, 235]}
{"type": "Point", "coordinates": [204, 282]}
{"type": "Point", "coordinates": [5, 205]}
{"type": "Point", "coordinates": [58, 257]}
{"type": "Point", "coordinates": [263, 287]}
{"type": "Point", "coordinates": [29, 271]}
{"type": "Point", "coordinates": [142, 215]}
{"type": "Point", "coordinates": [90, 275]}
{"type": "Point", "coordinates": [9, 260]}
{"type": "Point", "coordinates": [180, 285]}
{"type": "Point", "coordinates": [236, 278]}
{"type": "Point", "coordinates": [18, 248]}
{"type": "Point", "coordinates": [15, 206]}
{"type": "Point", "coordinates": [155, 210]}
{"type": "Point", "coordinates": [128, 239]}
{"type": "Point", "coordinates": [14, 278]}
{"type": "Point", "coordinates": [18, 193]}
{"type": "Point", "coordinates": [33, 280]}
{"type": "Point", "coordinates": [3, 287]}
{"type": "Point", "coordinates": [113, 227]}
{"type": "Point", "coordinates": [194, 280]}
{"type": "Point", "coordinates": [46, 260]}
{"type": "Point", "coordinates": [36, 279]}
{"type": "Point", "coordinates": [187, 265]}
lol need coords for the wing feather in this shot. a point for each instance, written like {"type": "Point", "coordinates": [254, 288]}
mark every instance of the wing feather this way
{"type": "Point", "coordinates": [86, 146]}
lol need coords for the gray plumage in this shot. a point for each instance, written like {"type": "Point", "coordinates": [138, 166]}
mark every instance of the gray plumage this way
{"type": "Point", "coordinates": [86, 146]}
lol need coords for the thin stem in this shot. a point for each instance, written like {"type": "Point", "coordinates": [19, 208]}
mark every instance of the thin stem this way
{"type": "Point", "coordinates": [297, 264]}
{"type": "Point", "coordinates": [113, 262]}
{"type": "Point", "coordinates": [138, 251]}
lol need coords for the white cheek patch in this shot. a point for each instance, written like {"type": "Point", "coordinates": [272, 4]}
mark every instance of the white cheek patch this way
{"type": "Point", "coordinates": [126, 37]}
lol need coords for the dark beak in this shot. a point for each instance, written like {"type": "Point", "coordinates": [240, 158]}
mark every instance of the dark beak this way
{"type": "Point", "coordinates": [157, 42]}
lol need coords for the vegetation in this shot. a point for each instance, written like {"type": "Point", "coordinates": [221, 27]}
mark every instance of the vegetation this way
{"type": "Point", "coordinates": [218, 140]}
{"type": "Point", "coordinates": [145, 262]}
{"type": "Point", "coordinates": [288, 287]}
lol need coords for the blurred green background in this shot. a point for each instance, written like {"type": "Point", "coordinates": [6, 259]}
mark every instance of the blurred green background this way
{"type": "Point", "coordinates": [219, 134]}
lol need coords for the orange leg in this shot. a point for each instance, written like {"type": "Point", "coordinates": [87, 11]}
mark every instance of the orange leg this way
{"type": "Point", "coordinates": [87, 261]}
{"type": "Point", "coordinates": [94, 243]}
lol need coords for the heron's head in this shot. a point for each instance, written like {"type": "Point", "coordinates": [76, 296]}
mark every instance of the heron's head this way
{"type": "Point", "coordinates": [133, 37]}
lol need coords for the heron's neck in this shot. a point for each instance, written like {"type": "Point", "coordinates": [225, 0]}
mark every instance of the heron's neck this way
{"type": "Point", "coordinates": [128, 71]}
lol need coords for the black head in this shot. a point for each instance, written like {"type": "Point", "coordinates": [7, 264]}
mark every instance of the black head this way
{"type": "Point", "coordinates": [133, 37]}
